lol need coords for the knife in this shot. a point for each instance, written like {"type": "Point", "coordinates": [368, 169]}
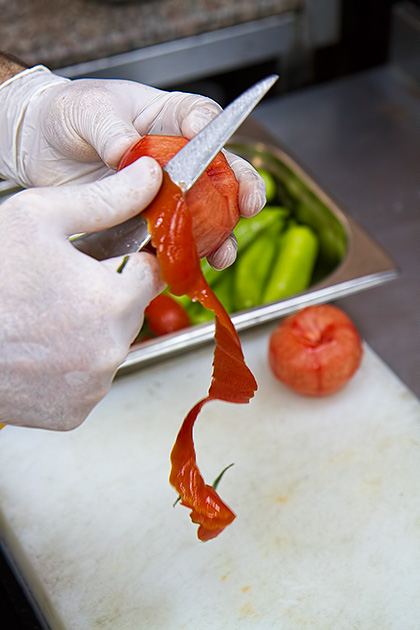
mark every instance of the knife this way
{"type": "Point", "coordinates": [184, 169]}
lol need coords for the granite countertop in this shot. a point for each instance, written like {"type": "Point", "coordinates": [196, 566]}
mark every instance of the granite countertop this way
{"type": "Point", "coordinates": [59, 33]}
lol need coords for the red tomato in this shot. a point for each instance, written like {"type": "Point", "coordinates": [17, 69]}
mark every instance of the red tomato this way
{"type": "Point", "coordinates": [165, 315]}
{"type": "Point", "coordinates": [315, 351]}
{"type": "Point", "coordinates": [212, 201]}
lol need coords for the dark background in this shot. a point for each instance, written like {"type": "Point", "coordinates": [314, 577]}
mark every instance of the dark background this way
{"type": "Point", "coordinates": [364, 43]}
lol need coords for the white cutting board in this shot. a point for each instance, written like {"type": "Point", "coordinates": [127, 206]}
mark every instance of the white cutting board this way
{"type": "Point", "coordinates": [326, 492]}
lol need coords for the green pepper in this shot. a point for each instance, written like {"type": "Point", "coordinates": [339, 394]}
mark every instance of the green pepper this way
{"type": "Point", "coordinates": [223, 289]}
{"type": "Point", "coordinates": [184, 300]}
{"type": "Point", "coordinates": [198, 314]}
{"type": "Point", "coordinates": [248, 230]}
{"type": "Point", "coordinates": [332, 236]}
{"type": "Point", "coordinates": [245, 232]}
{"type": "Point", "coordinates": [292, 270]}
{"type": "Point", "coordinates": [211, 275]}
{"type": "Point", "coordinates": [270, 184]}
{"type": "Point", "coordinates": [252, 270]}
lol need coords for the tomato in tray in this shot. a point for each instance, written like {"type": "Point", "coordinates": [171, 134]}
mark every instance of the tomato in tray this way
{"type": "Point", "coordinates": [164, 315]}
{"type": "Point", "coordinates": [315, 351]}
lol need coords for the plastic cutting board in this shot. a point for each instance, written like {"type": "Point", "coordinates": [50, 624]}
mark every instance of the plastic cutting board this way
{"type": "Point", "coordinates": [326, 492]}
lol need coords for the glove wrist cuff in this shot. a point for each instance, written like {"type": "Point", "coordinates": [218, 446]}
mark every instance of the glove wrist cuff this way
{"type": "Point", "coordinates": [22, 74]}
{"type": "Point", "coordinates": [18, 116]}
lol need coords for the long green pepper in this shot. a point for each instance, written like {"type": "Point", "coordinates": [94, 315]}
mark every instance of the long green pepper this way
{"type": "Point", "coordinates": [252, 271]}
{"type": "Point", "coordinates": [293, 268]}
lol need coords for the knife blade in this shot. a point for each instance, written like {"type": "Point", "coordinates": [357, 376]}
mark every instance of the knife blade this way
{"type": "Point", "coordinates": [184, 169]}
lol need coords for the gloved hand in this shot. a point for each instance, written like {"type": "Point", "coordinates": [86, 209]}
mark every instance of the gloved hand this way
{"type": "Point", "coordinates": [60, 131]}
{"type": "Point", "coordinates": [67, 320]}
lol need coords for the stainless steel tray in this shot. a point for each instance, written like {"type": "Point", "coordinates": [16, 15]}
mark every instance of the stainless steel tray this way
{"type": "Point", "coordinates": [359, 263]}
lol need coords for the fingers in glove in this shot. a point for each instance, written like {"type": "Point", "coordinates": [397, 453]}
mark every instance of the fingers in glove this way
{"type": "Point", "coordinates": [101, 204]}
{"type": "Point", "coordinates": [139, 279]}
{"type": "Point", "coordinates": [195, 113]}
{"type": "Point", "coordinates": [105, 118]}
{"type": "Point", "coordinates": [123, 137]}
{"type": "Point", "coordinates": [225, 255]}
{"type": "Point", "coordinates": [251, 186]}
{"type": "Point", "coordinates": [125, 120]}
{"type": "Point", "coordinates": [139, 273]}
{"type": "Point", "coordinates": [97, 120]}
{"type": "Point", "coordinates": [177, 113]}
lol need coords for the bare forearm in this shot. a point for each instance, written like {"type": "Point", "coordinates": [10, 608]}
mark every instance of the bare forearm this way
{"type": "Point", "coordinates": [9, 66]}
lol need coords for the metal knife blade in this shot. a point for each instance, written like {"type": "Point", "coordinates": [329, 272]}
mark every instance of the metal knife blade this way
{"type": "Point", "coordinates": [192, 160]}
{"type": "Point", "coordinates": [184, 169]}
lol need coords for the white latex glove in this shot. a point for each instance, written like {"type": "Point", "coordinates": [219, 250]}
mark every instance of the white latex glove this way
{"type": "Point", "coordinates": [67, 320]}
{"type": "Point", "coordinates": [59, 131]}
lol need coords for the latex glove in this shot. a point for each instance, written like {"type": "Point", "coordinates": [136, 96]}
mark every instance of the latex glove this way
{"type": "Point", "coordinates": [60, 131]}
{"type": "Point", "coordinates": [67, 320]}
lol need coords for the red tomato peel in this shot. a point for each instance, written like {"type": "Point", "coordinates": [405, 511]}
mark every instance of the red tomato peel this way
{"type": "Point", "coordinates": [170, 221]}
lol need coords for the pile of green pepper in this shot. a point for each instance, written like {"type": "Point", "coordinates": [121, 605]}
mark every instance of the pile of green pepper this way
{"type": "Point", "coordinates": [276, 259]}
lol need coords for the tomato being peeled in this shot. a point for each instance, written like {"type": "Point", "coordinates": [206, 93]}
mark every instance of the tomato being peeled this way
{"type": "Point", "coordinates": [315, 351]}
{"type": "Point", "coordinates": [171, 218]}
{"type": "Point", "coordinates": [212, 201]}
{"type": "Point", "coordinates": [165, 315]}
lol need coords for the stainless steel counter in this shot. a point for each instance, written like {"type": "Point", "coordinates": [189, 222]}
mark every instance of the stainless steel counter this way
{"type": "Point", "coordinates": [359, 137]}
